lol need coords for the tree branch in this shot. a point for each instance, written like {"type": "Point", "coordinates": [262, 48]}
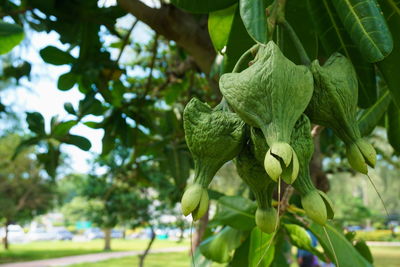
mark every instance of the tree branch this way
{"type": "Point", "coordinates": [177, 25]}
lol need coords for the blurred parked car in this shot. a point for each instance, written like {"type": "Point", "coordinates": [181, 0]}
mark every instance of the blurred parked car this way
{"type": "Point", "coordinates": [62, 234]}
{"type": "Point", "coordinates": [15, 233]}
{"type": "Point", "coordinates": [116, 233]}
{"type": "Point", "coordinates": [40, 234]}
{"type": "Point", "coordinates": [93, 233]}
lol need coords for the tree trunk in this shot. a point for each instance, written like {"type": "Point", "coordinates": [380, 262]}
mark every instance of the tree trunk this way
{"type": "Point", "coordinates": [5, 240]}
{"type": "Point", "coordinates": [107, 239]}
{"type": "Point", "coordinates": [143, 256]}
{"type": "Point", "coordinates": [200, 230]}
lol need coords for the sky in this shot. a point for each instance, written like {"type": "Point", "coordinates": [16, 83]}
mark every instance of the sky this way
{"type": "Point", "coordinates": [40, 93]}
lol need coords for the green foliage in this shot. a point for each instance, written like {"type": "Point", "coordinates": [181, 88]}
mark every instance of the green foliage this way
{"type": "Point", "coordinates": [56, 56]}
{"type": "Point", "coordinates": [367, 27]}
{"type": "Point", "coordinates": [253, 14]}
{"type": "Point", "coordinates": [24, 192]}
{"type": "Point", "coordinates": [199, 6]}
{"type": "Point", "coordinates": [10, 36]}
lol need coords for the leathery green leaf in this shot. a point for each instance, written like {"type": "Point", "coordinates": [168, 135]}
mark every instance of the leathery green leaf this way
{"type": "Point", "coordinates": [370, 117]}
{"type": "Point", "coordinates": [367, 27]}
{"type": "Point", "coordinates": [202, 6]}
{"type": "Point", "coordinates": [393, 127]}
{"type": "Point", "coordinates": [346, 254]}
{"type": "Point", "coordinates": [255, 19]}
{"type": "Point", "coordinates": [334, 38]}
{"type": "Point", "coordinates": [220, 25]}
{"type": "Point", "coordinates": [389, 67]}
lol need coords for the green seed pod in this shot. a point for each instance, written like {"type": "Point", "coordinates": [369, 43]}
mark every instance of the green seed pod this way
{"type": "Point", "coordinates": [304, 147]}
{"type": "Point", "coordinates": [253, 174]}
{"type": "Point", "coordinates": [213, 136]}
{"type": "Point", "coordinates": [259, 96]}
{"type": "Point", "coordinates": [191, 199]}
{"type": "Point", "coordinates": [334, 105]}
{"type": "Point", "coordinates": [266, 220]}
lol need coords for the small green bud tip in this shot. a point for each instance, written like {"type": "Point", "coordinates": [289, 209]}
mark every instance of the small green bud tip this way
{"type": "Point", "coordinates": [266, 220]}
{"type": "Point", "coordinates": [191, 198]}
{"type": "Point", "coordinates": [314, 206]}
{"type": "Point", "coordinates": [356, 158]}
{"type": "Point", "coordinates": [283, 151]}
{"type": "Point", "coordinates": [368, 152]}
{"type": "Point", "coordinates": [202, 207]}
{"type": "Point", "coordinates": [272, 166]}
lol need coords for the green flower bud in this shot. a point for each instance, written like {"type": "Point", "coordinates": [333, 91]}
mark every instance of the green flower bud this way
{"type": "Point", "coordinates": [191, 199]}
{"type": "Point", "coordinates": [356, 158]}
{"type": "Point", "coordinates": [368, 152]}
{"type": "Point", "coordinates": [202, 207]}
{"type": "Point", "coordinates": [314, 207]}
{"type": "Point", "coordinates": [267, 220]}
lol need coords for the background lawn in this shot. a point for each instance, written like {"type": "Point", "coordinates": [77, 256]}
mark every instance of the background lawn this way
{"type": "Point", "coordinates": [55, 249]}
{"type": "Point", "coordinates": [384, 257]}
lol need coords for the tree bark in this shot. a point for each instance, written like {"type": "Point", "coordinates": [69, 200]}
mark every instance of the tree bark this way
{"type": "Point", "coordinates": [200, 230]}
{"type": "Point", "coordinates": [174, 24]}
{"type": "Point", "coordinates": [318, 176]}
{"type": "Point", "coordinates": [5, 240]}
{"type": "Point", "coordinates": [107, 239]}
{"type": "Point", "coordinates": [143, 256]}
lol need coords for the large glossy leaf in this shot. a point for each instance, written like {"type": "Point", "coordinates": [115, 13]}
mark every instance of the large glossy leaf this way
{"type": "Point", "coordinates": [254, 19]}
{"type": "Point", "coordinates": [241, 256]}
{"type": "Point", "coordinates": [56, 56]}
{"type": "Point", "coordinates": [364, 250]}
{"type": "Point", "coordinates": [370, 117]}
{"type": "Point", "coordinates": [76, 140]}
{"type": "Point", "coordinates": [10, 36]}
{"type": "Point", "coordinates": [203, 6]}
{"type": "Point", "coordinates": [25, 144]}
{"type": "Point", "coordinates": [236, 211]}
{"type": "Point", "coordinates": [346, 254]}
{"type": "Point", "coordinates": [393, 127]}
{"type": "Point", "coordinates": [66, 81]}
{"type": "Point", "coordinates": [239, 41]}
{"type": "Point", "coordinates": [303, 26]}
{"type": "Point", "coordinates": [367, 27]}
{"type": "Point", "coordinates": [219, 247]}
{"type": "Point", "coordinates": [35, 122]}
{"type": "Point", "coordinates": [334, 38]}
{"type": "Point", "coordinates": [390, 66]}
{"type": "Point", "coordinates": [282, 249]}
{"type": "Point", "coordinates": [301, 239]}
{"type": "Point", "coordinates": [61, 129]}
{"type": "Point", "coordinates": [262, 248]}
{"type": "Point", "coordinates": [219, 26]}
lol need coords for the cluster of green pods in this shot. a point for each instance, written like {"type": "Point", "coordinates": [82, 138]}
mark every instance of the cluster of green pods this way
{"type": "Point", "coordinates": [264, 124]}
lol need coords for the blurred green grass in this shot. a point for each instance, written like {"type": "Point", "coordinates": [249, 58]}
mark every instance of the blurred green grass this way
{"type": "Point", "coordinates": [384, 257]}
{"type": "Point", "coordinates": [55, 249]}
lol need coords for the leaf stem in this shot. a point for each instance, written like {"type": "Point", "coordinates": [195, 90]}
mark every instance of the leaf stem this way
{"type": "Point", "coordinates": [299, 46]}
{"type": "Point", "coordinates": [243, 61]}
